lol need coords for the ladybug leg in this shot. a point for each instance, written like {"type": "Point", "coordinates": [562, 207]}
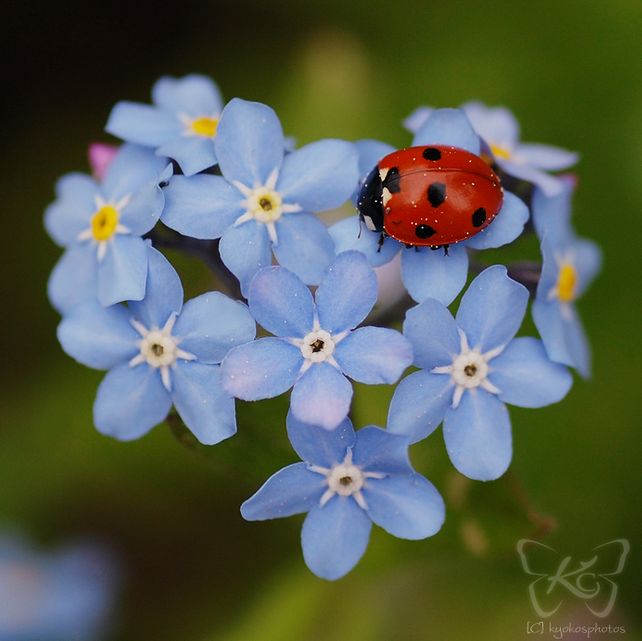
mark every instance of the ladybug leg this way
{"type": "Point", "coordinates": [382, 237]}
{"type": "Point", "coordinates": [446, 250]}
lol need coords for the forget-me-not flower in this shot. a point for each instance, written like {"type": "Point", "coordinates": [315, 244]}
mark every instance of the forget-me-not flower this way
{"type": "Point", "coordinates": [158, 353]}
{"type": "Point", "coordinates": [100, 224]}
{"type": "Point", "coordinates": [569, 265]}
{"type": "Point", "coordinates": [347, 482]}
{"type": "Point", "coordinates": [500, 130]}
{"type": "Point", "coordinates": [68, 594]}
{"type": "Point", "coordinates": [182, 123]}
{"type": "Point", "coordinates": [427, 273]}
{"type": "Point", "coordinates": [265, 200]}
{"type": "Point", "coordinates": [315, 346]}
{"type": "Point", "coordinates": [470, 367]}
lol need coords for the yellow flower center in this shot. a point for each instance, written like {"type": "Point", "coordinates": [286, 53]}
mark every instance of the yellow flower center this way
{"type": "Point", "coordinates": [204, 126]}
{"type": "Point", "coordinates": [104, 223]}
{"type": "Point", "coordinates": [500, 152]}
{"type": "Point", "coordinates": [566, 283]}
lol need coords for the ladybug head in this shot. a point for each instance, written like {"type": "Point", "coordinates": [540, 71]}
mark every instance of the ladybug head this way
{"type": "Point", "coordinates": [370, 201]}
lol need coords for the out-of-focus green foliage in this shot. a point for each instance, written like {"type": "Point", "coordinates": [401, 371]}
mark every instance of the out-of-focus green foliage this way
{"type": "Point", "coordinates": [193, 569]}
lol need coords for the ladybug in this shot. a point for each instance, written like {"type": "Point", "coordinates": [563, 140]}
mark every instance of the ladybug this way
{"type": "Point", "coordinates": [430, 196]}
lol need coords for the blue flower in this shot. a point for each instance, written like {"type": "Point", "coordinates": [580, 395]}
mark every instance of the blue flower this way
{"type": "Point", "coordinates": [48, 597]}
{"type": "Point", "coordinates": [569, 266]}
{"type": "Point", "coordinates": [470, 366]}
{"type": "Point", "coordinates": [100, 224]}
{"type": "Point", "coordinates": [264, 200]}
{"type": "Point", "coordinates": [552, 214]}
{"type": "Point", "coordinates": [426, 273]}
{"type": "Point", "coordinates": [181, 125]}
{"type": "Point", "coordinates": [315, 347]}
{"type": "Point", "coordinates": [500, 130]}
{"type": "Point", "coordinates": [347, 482]}
{"type": "Point", "coordinates": [157, 355]}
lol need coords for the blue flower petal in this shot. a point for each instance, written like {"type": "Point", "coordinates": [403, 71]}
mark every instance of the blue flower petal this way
{"type": "Point", "coordinates": [292, 490]}
{"type": "Point", "coordinates": [563, 335]}
{"type": "Point", "coordinates": [305, 246]}
{"type": "Point", "coordinates": [347, 293]}
{"type": "Point", "coordinates": [264, 368]}
{"type": "Point", "coordinates": [374, 355]}
{"type": "Point", "coordinates": [98, 337]}
{"type": "Point", "coordinates": [319, 446]}
{"type": "Point", "coordinates": [74, 278]}
{"type": "Point", "coordinates": [405, 506]}
{"type": "Point", "coordinates": [319, 176]}
{"type": "Point", "coordinates": [249, 142]}
{"type": "Point", "coordinates": [505, 228]}
{"type": "Point", "coordinates": [321, 396]}
{"type": "Point", "coordinates": [143, 211]}
{"type": "Point", "coordinates": [194, 95]}
{"type": "Point", "coordinates": [350, 233]}
{"type": "Point", "coordinates": [433, 333]}
{"type": "Point", "coordinates": [587, 260]}
{"type": "Point", "coordinates": [130, 401]}
{"type": "Point", "coordinates": [377, 450]}
{"type": "Point", "coordinates": [547, 157]}
{"type": "Point", "coordinates": [71, 213]}
{"type": "Point", "coordinates": [552, 214]}
{"type": "Point", "coordinates": [526, 377]}
{"type": "Point", "coordinates": [550, 185]}
{"type": "Point", "coordinates": [416, 120]}
{"type": "Point", "coordinates": [201, 206]}
{"type": "Point", "coordinates": [244, 250]}
{"type": "Point", "coordinates": [163, 295]}
{"type": "Point", "coordinates": [212, 324]}
{"type": "Point", "coordinates": [433, 274]}
{"type": "Point", "coordinates": [281, 303]}
{"type": "Point", "coordinates": [492, 309]}
{"type": "Point", "coordinates": [334, 537]}
{"type": "Point", "coordinates": [192, 153]}
{"type": "Point", "coordinates": [496, 125]}
{"type": "Point", "coordinates": [370, 152]}
{"type": "Point", "coordinates": [206, 409]}
{"type": "Point", "coordinates": [478, 436]}
{"type": "Point", "coordinates": [419, 405]}
{"type": "Point", "coordinates": [143, 124]}
{"type": "Point", "coordinates": [132, 169]}
{"type": "Point", "coordinates": [122, 273]}
{"type": "Point", "coordinates": [448, 127]}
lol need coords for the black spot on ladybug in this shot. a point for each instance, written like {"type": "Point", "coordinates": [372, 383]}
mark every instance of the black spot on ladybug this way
{"type": "Point", "coordinates": [424, 231]}
{"type": "Point", "coordinates": [391, 181]}
{"type": "Point", "coordinates": [436, 194]}
{"type": "Point", "coordinates": [479, 217]}
{"type": "Point", "coordinates": [430, 153]}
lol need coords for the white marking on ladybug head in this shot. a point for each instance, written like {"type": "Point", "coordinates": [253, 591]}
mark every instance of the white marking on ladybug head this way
{"type": "Point", "coordinates": [369, 223]}
{"type": "Point", "coordinates": [383, 173]}
{"type": "Point", "coordinates": [386, 196]}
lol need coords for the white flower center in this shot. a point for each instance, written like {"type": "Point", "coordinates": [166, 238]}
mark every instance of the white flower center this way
{"type": "Point", "coordinates": [317, 346]}
{"type": "Point", "coordinates": [264, 204]}
{"type": "Point", "coordinates": [159, 349]}
{"type": "Point", "coordinates": [345, 479]}
{"type": "Point", "coordinates": [469, 369]}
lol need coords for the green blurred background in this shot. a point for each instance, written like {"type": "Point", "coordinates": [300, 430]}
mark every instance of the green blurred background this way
{"type": "Point", "coordinates": [192, 568]}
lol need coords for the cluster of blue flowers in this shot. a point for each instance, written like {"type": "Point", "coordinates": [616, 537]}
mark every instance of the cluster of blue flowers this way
{"type": "Point", "coordinates": [226, 173]}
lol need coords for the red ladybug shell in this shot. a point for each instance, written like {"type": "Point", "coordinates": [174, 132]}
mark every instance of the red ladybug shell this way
{"type": "Point", "coordinates": [437, 195]}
